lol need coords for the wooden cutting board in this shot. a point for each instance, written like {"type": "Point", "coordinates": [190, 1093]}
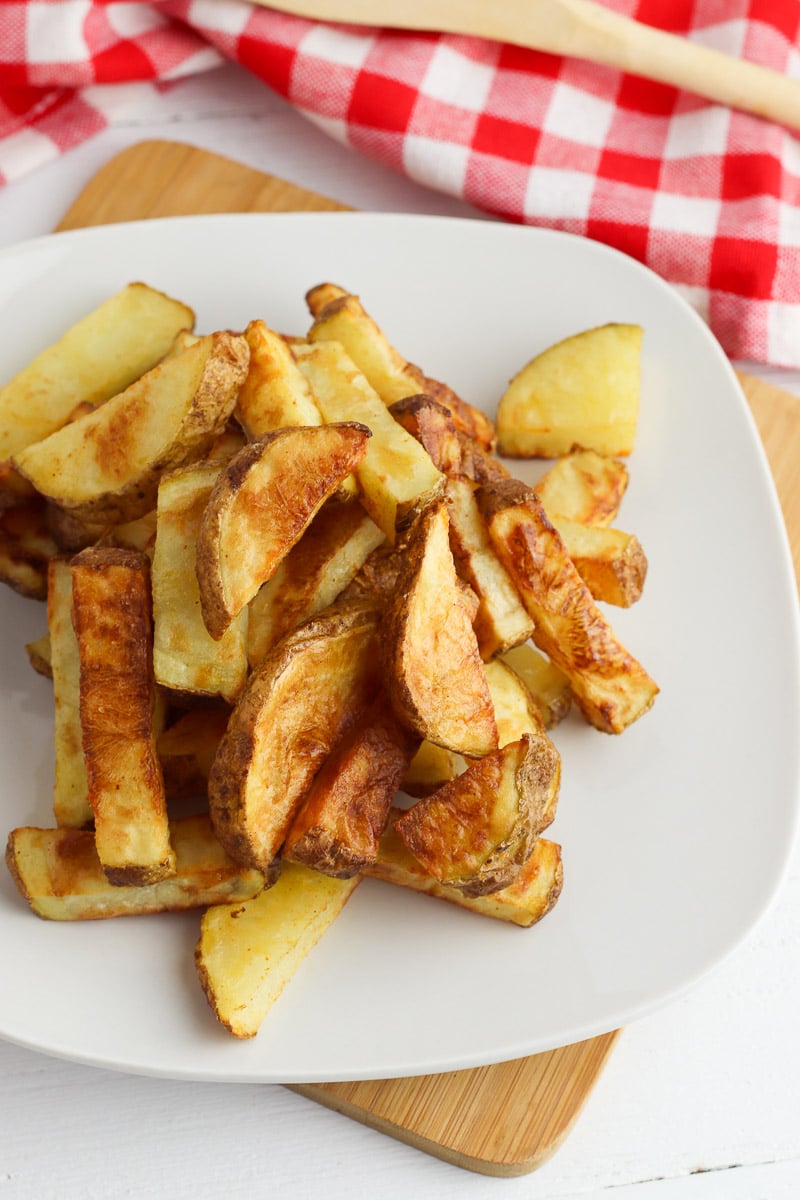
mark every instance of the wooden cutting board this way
{"type": "Point", "coordinates": [504, 1119]}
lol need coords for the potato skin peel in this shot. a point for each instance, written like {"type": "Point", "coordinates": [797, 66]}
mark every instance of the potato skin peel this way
{"type": "Point", "coordinates": [296, 706]}
{"type": "Point", "coordinates": [432, 665]}
{"type": "Point", "coordinates": [477, 832]}
{"type": "Point", "coordinates": [260, 505]}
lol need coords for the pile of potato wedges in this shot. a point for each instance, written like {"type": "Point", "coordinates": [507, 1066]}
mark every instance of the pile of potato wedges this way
{"type": "Point", "coordinates": [304, 626]}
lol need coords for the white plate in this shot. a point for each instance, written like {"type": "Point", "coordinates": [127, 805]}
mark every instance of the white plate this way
{"type": "Point", "coordinates": [675, 835]}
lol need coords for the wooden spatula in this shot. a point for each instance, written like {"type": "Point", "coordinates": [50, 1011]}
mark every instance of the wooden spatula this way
{"type": "Point", "coordinates": [581, 29]}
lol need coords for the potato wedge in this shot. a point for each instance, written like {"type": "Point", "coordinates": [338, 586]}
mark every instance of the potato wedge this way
{"type": "Point", "coordinates": [275, 393]}
{"type": "Point", "coordinates": [530, 897]}
{"type": "Point", "coordinates": [547, 685]}
{"type": "Point", "coordinates": [502, 620]}
{"type": "Point", "coordinates": [313, 574]}
{"type": "Point", "coordinates": [476, 833]}
{"type": "Point", "coordinates": [340, 822]}
{"type": "Point", "coordinates": [611, 688]}
{"type": "Point", "coordinates": [59, 874]}
{"type": "Point", "coordinates": [396, 474]}
{"type": "Point", "coordinates": [71, 785]}
{"type": "Point", "coordinates": [611, 563]}
{"type": "Point", "coordinates": [432, 667]}
{"type": "Point", "coordinates": [261, 504]}
{"type": "Point", "coordinates": [248, 953]}
{"type": "Point", "coordinates": [26, 547]}
{"type": "Point", "coordinates": [582, 391]}
{"type": "Point", "coordinates": [343, 319]}
{"type": "Point", "coordinates": [294, 710]}
{"type": "Point", "coordinates": [584, 486]}
{"type": "Point", "coordinates": [99, 356]}
{"type": "Point", "coordinates": [111, 607]}
{"type": "Point", "coordinates": [106, 466]}
{"type": "Point", "coordinates": [185, 656]}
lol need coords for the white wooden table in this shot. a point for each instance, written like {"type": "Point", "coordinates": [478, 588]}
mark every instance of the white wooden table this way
{"type": "Point", "coordinates": [699, 1102]}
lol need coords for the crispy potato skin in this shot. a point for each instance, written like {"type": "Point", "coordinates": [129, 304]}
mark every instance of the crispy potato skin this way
{"type": "Point", "coordinates": [476, 832]}
{"type": "Point", "coordinates": [112, 620]}
{"type": "Point", "coordinates": [611, 688]}
{"type": "Point", "coordinates": [339, 826]}
{"type": "Point", "coordinates": [285, 477]}
{"type": "Point", "coordinates": [294, 710]}
{"type": "Point", "coordinates": [432, 666]}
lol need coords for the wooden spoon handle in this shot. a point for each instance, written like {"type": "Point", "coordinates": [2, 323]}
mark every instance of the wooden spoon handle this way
{"type": "Point", "coordinates": [581, 29]}
{"type": "Point", "coordinates": [592, 32]}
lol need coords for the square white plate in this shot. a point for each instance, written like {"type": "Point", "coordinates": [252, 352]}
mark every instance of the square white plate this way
{"type": "Point", "coordinates": [675, 835]}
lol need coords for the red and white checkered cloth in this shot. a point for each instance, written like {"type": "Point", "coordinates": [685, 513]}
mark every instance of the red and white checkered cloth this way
{"type": "Point", "coordinates": [705, 196]}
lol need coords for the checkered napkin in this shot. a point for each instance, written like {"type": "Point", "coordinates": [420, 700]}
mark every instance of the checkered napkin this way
{"type": "Point", "coordinates": [706, 197]}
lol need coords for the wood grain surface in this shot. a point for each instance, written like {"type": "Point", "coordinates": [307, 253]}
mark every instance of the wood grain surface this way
{"type": "Point", "coordinates": [505, 1119]}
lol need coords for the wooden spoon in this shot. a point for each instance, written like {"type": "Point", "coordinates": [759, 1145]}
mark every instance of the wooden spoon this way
{"type": "Point", "coordinates": [581, 29]}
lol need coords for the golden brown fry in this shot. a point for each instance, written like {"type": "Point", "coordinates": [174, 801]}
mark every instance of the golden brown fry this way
{"type": "Point", "coordinates": [275, 393]}
{"type": "Point", "coordinates": [611, 563]}
{"type": "Point", "coordinates": [111, 615]}
{"type": "Point", "coordinates": [476, 832]}
{"type": "Point", "coordinates": [501, 620]}
{"type": "Point", "coordinates": [106, 466]}
{"type": "Point", "coordinates": [584, 486]}
{"type": "Point", "coordinates": [185, 656]}
{"type": "Point", "coordinates": [340, 823]}
{"type": "Point", "coordinates": [609, 685]}
{"type": "Point", "coordinates": [59, 874]}
{"type": "Point", "coordinates": [247, 953]}
{"type": "Point", "coordinates": [313, 574]}
{"type": "Point", "coordinates": [432, 667]}
{"type": "Point", "coordinates": [530, 897]}
{"type": "Point", "coordinates": [261, 504]}
{"type": "Point", "coordinates": [294, 710]}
